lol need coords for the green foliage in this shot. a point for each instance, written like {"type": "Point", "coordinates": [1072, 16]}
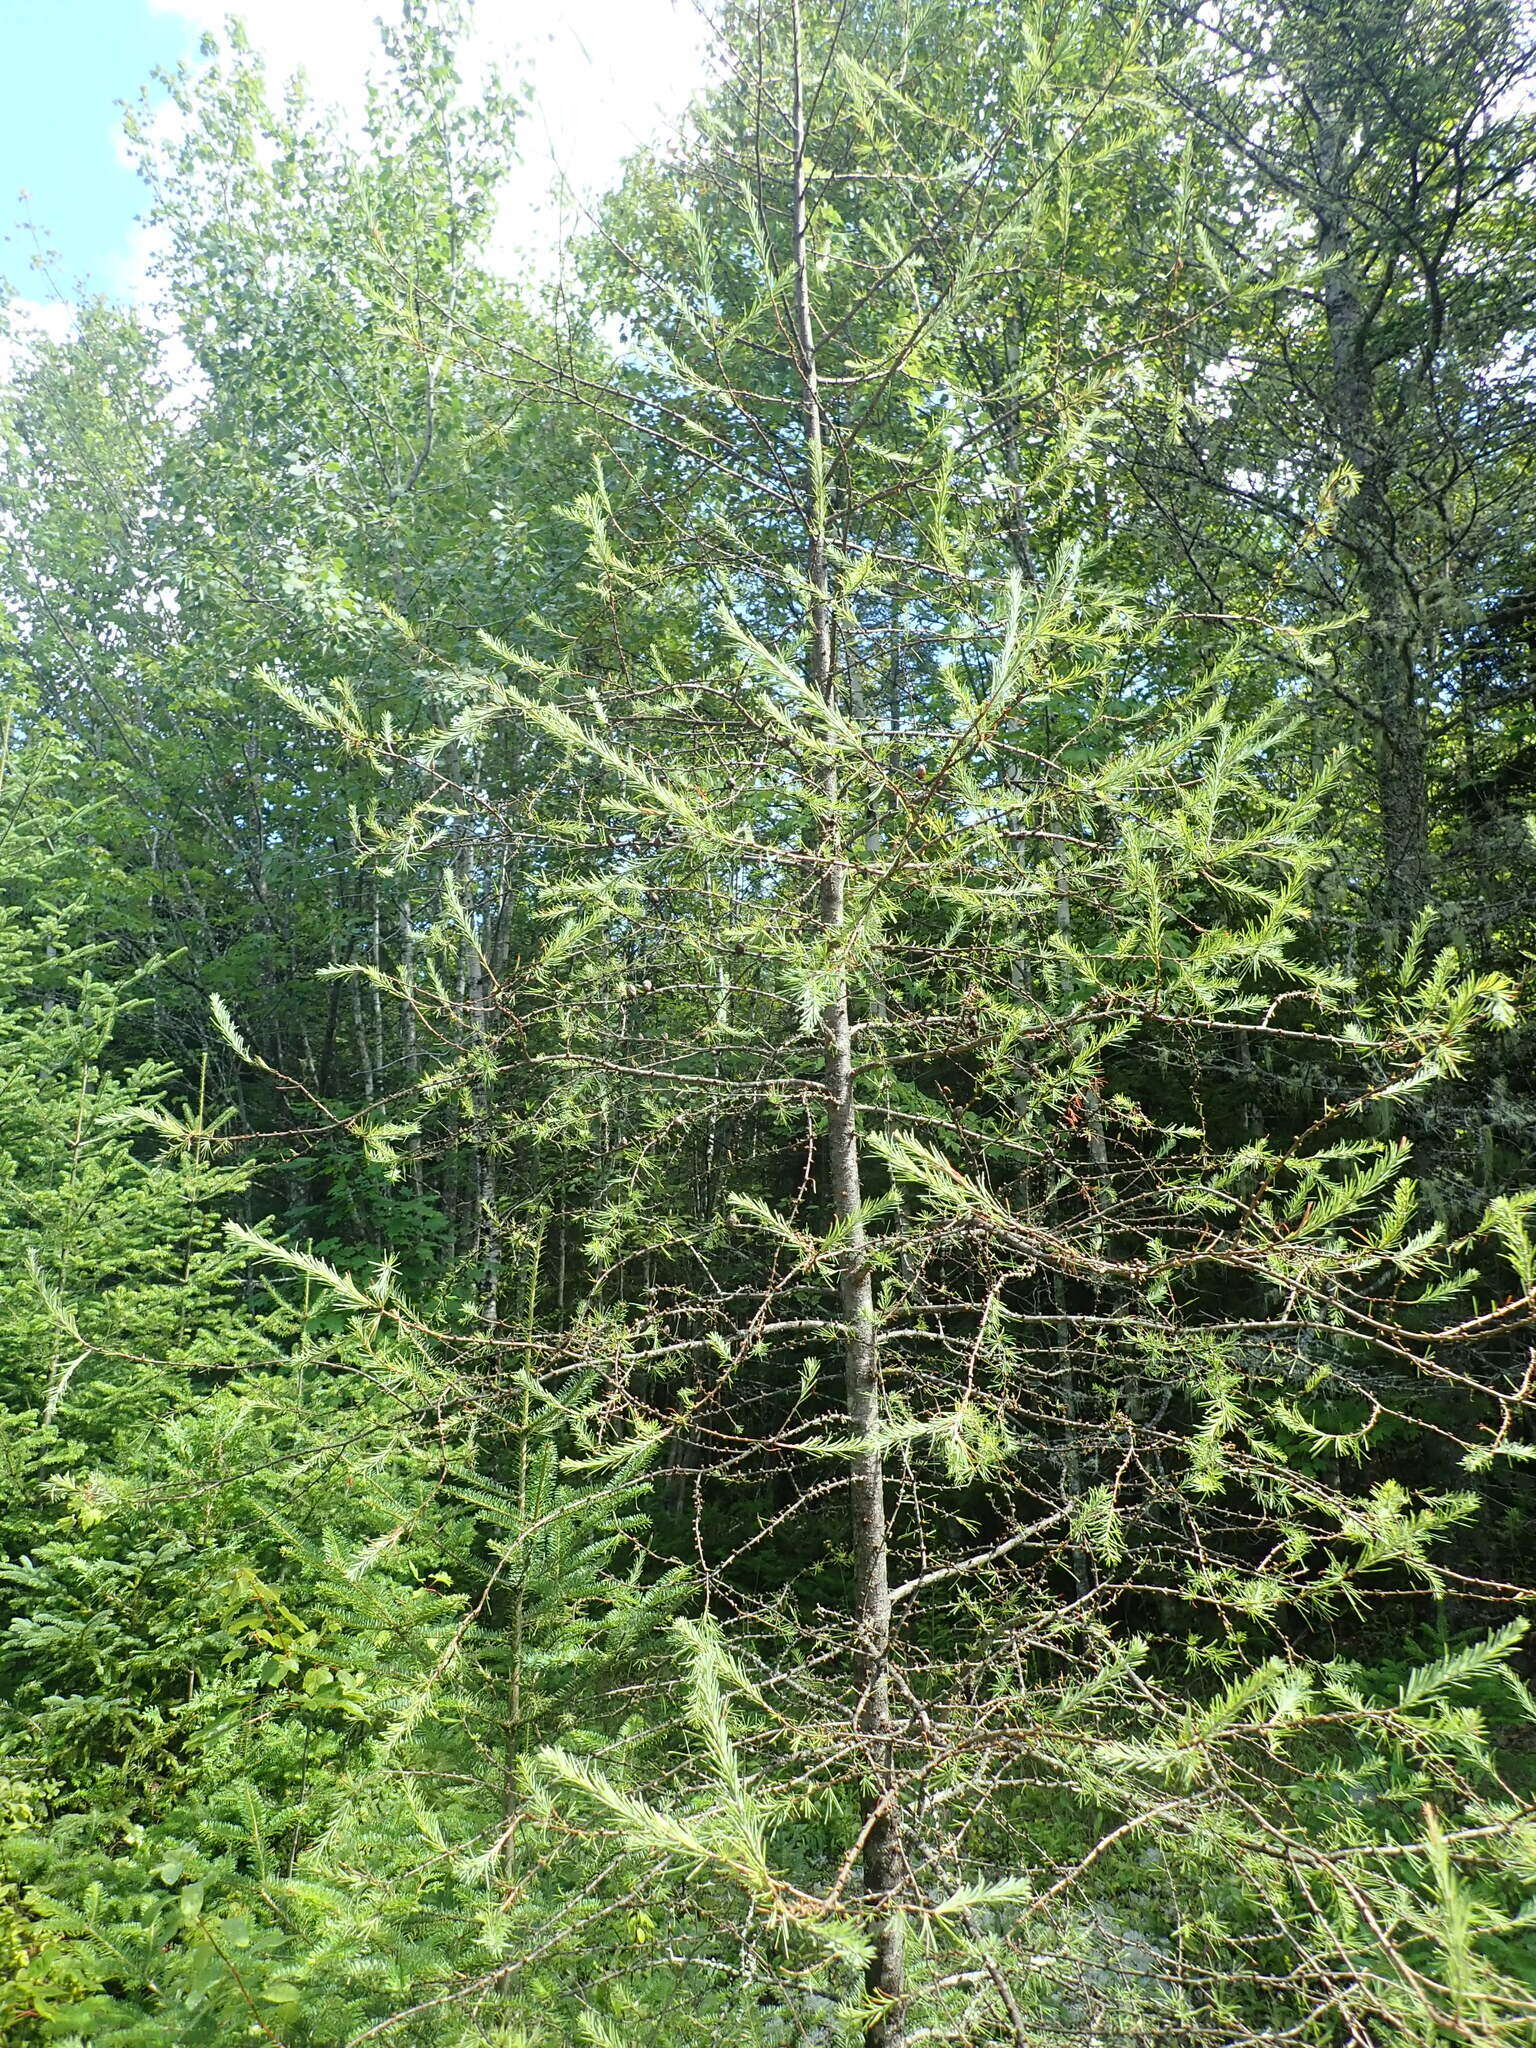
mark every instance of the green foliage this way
{"type": "Point", "coordinates": [837, 870]}
{"type": "Point", "coordinates": [234, 1576]}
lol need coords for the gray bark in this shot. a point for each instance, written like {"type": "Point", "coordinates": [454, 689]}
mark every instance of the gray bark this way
{"type": "Point", "coordinates": [882, 1856]}
{"type": "Point", "coordinates": [1391, 631]}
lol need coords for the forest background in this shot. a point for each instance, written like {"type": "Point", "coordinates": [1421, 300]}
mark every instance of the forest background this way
{"type": "Point", "coordinates": [766, 1258]}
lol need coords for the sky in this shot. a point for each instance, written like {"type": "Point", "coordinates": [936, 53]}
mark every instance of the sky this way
{"type": "Point", "coordinates": [608, 74]}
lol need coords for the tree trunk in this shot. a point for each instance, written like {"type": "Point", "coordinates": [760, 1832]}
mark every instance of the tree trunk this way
{"type": "Point", "coordinates": [1391, 631]}
{"type": "Point", "coordinates": [410, 1058]}
{"type": "Point", "coordinates": [882, 1858]}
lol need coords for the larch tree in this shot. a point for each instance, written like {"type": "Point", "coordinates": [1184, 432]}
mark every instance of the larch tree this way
{"type": "Point", "coordinates": [1033, 1415]}
{"type": "Point", "coordinates": [861, 1417]}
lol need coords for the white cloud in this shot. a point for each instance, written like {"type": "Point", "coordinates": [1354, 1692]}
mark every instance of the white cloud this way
{"type": "Point", "coordinates": [607, 75]}
{"type": "Point", "coordinates": [27, 320]}
{"type": "Point", "coordinates": [50, 317]}
{"type": "Point", "coordinates": [330, 40]}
